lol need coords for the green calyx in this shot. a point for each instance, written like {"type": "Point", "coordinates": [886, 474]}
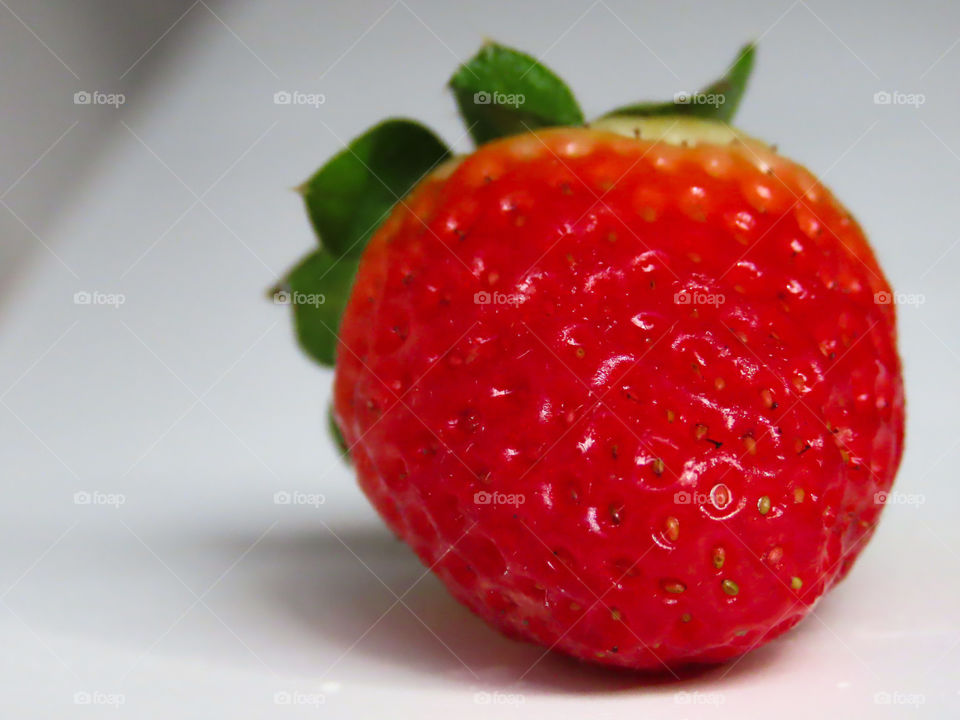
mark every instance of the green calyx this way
{"type": "Point", "coordinates": [717, 101]}
{"type": "Point", "coordinates": [499, 92]}
{"type": "Point", "coordinates": [503, 92]}
{"type": "Point", "coordinates": [347, 200]}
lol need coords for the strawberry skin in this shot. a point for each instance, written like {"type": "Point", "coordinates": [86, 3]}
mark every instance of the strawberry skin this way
{"type": "Point", "coordinates": [629, 400]}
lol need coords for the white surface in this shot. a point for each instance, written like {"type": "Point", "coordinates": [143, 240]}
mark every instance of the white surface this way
{"type": "Point", "coordinates": [200, 597]}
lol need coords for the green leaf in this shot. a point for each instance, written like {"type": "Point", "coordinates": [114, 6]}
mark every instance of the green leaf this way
{"type": "Point", "coordinates": [318, 289]}
{"type": "Point", "coordinates": [503, 92]}
{"type": "Point", "coordinates": [717, 101]}
{"type": "Point", "coordinates": [347, 200]}
{"type": "Point", "coordinates": [733, 84]}
{"type": "Point", "coordinates": [352, 194]}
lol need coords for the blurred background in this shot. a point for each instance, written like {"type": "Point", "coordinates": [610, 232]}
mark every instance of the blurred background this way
{"type": "Point", "coordinates": [179, 538]}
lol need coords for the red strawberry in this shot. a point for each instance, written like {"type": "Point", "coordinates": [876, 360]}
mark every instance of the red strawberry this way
{"type": "Point", "coordinates": [627, 389]}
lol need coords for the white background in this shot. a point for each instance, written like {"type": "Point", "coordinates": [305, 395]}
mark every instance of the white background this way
{"type": "Point", "coordinates": [199, 596]}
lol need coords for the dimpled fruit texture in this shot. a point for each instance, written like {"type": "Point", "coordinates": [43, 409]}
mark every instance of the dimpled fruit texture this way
{"type": "Point", "coordinates": [632, 401]}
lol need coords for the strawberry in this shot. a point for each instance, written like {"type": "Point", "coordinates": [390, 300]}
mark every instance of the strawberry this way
{"type": "Point", "coordinates": [630, 388]}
